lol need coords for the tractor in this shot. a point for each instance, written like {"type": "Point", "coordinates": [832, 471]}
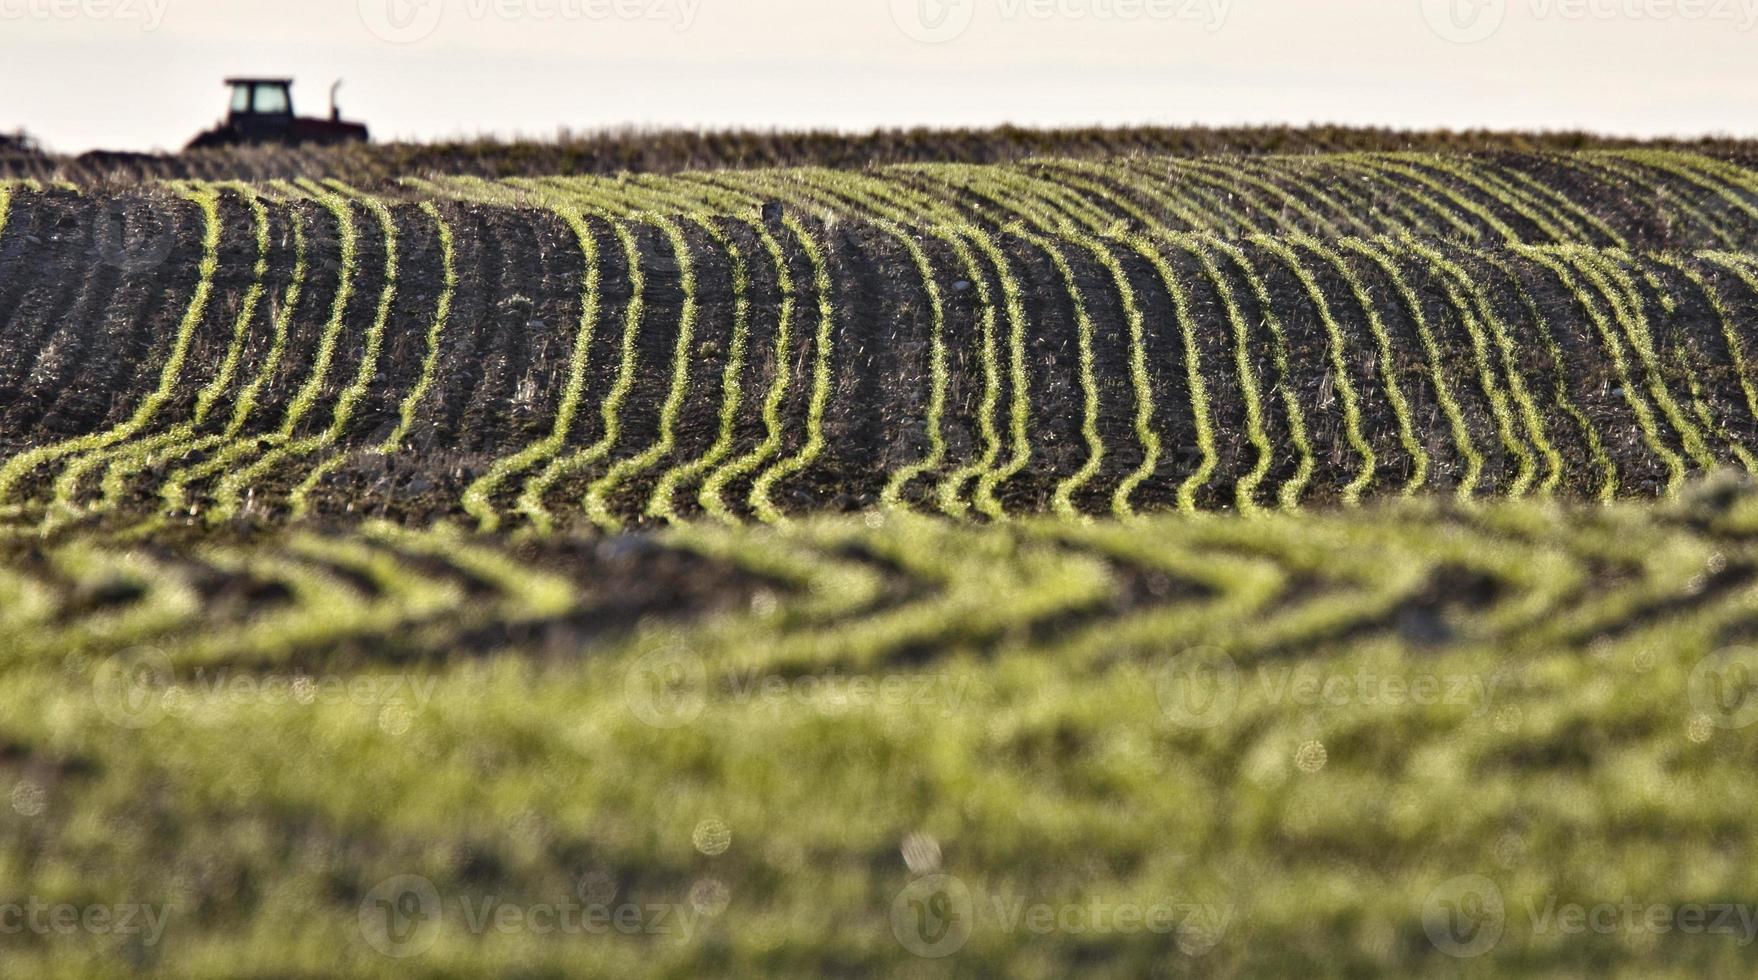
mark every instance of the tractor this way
{"type": "Point", "coordinates": [262, 112]}
{"type": "Point", "coordinates": [20, 143]}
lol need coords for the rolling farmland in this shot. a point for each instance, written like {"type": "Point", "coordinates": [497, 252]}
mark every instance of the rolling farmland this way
{"type": "Point", "coordinates": [1282, 538]}
{"type": "Point", "coordinates": [1083, 339]}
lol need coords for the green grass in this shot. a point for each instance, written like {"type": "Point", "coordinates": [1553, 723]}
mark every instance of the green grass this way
{"type": "Point", "coordinates": [824, 749]}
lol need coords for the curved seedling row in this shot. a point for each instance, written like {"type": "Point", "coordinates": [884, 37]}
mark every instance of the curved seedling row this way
{"type": "Point", "coordinates": [1142, 385]}
{"type": "Point", "coordinates": [234, 481]}
{"type": "Point", "coordinates": [1363, 198]}
{"type": "Point", "coordinates": [1705, 414]}
{"type": "Point", "coordinates": [530, 503]}
{"type": "Point", "coordinates": [6, 190]}
{"type": "Point", "coordinates": [1201, 413]}
{"type": "Point", "coordinates": [663, 502]}
{"type": "Point", "coordinates": [1245, 492]}
{"type": "Point", "coordinates": [23, 464]}
{"type": "Point", "coordinates": [1062, 497]}
{"type": "Point", "coordinates": [1599, 166]}
{"type": "Point", "coordinates": [478, 496]}
{"type": "Point", "coordinates": [1561, 204]}
{"type": "Point", "coordinates": [1365, 170]}
{"type": "Point", "coordinates": [1097, 243]}
{"type": "Point", "coordinates": [883, 217]}
{"type": "Point", "coordinates": [1249, 212]}
{"type": "Point", "coordinates": [892, 209]}
{"type": "Point", "coordinates": [1383, 358]}
{"type": "Point", "coordinates": [1437, 372]}
{"type": "Point", "coordinates": [714, 488]}
{"type": "Point", "coordinates": [174, 493]}
{"type": "Point", "coordinates": [1541, 324]}
{"type": "Point", "coordinates": [962, 237]}
{"type": "Point", "coordinates": [941, 203]}
{"type": "Point", "coordinates": [1627, 302]}
{"type": "Point", "coordinates": [1185, 206]}
{"type": "Point", "coordinates": [442, 313]}
{"type": "Point", "coordinates": [1177, 199]}
{"type": "Point", "coordinates": [1118, 181]}
{"type": "Point", "coordinates": [1556, 227]}
{"type": "Point", "coordinates": [597, 499]}
{"type": "Point", "coordinates": [1289, 494]}
{"type": "Point", "coordinates": [1345, 387]}
{"type": "Point", "coordinates": [1484, 314]}
{"type": "Point", "coordinates": [1244, 177]}
{"type": "Point", "coordinates": [1341, 214]}
{"type": "Point", "coordinates": [1736, 347]}
{"type": "Point", "coordinates": [1693, 172]}
{"type": "Point", "coordinates": [1614, 347]}
{"type": "Point", "coordinates": [819, 400]}
{"type": "Point", "coordinates": [124, 461]}
{"type": "Point", "coordinates": [1506, 427]}
{"type": "Point", "coordinates": [1727, 320]}
{"type": "Point", "coordinates": [1403, 167]}
{"type": "Point", "coordinates": [1236, 215]}
{"type": "Point", "coordinates": [1144, 389]}
{"type": "Point", "coordinates": [350, 396]}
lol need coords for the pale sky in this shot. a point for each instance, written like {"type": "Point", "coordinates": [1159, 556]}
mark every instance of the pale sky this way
{"type": "Point", "coordinates": [144, 74]}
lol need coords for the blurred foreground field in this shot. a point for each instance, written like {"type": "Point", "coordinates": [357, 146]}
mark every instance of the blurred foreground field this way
{"type": "Point", "coordinates": [1510, 738]}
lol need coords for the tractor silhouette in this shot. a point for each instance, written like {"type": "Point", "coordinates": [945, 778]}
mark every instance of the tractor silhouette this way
{"type": "Point", "coordinates": [20, 143]}
{"type": "Point", "coordinates": [262, 112]}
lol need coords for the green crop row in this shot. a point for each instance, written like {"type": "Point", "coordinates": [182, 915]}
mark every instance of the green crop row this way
{"type": "Point", "coordinates": [1118, 239]}
{"type": "Point", "coordinates": [17, 468]}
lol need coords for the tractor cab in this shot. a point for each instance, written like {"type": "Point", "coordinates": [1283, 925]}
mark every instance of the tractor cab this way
{"type": "Point", "coordinates": [261, 107]}
{"type": "Point", "coordinates": [261, 111]}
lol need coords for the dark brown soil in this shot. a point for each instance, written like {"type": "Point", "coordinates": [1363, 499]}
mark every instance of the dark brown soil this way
{"type": "Point", "coordinates": [85, 327]}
